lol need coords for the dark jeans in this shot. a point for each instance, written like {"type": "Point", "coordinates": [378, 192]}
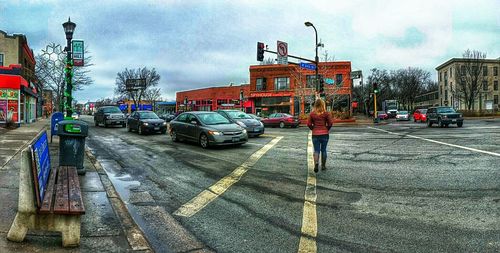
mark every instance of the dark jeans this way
{"type": "Point", "coordinates": [320, 142]}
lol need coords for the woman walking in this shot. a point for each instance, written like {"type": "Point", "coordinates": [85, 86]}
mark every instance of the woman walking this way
{"type": "Point", "coordinates": [320, 121]}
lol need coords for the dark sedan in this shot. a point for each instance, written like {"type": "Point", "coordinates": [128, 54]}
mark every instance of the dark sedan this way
{"type": "Point", "coordinates": [146, 121]}
{"type": "Point", "coordinates": [207, 129]}
{"type": "Point", "coordinates": [282, 120]}
{"type": "Point", "coordinates": [254, 127]}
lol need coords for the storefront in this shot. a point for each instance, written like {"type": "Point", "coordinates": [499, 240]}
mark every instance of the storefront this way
{"type": "Point", "coordinates": [18, 99]}
{"type": "Point", "coordinates": [214, 98]}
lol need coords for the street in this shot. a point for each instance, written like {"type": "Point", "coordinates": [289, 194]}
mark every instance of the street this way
{"type": "Point", "coordinates": [398, 187]}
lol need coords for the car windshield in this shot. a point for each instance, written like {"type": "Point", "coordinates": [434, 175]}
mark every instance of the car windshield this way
{"type": "Point", "coordinates": [402, 112]}
{"type": "Point", "coordinates": [381, 112]}
{"type": "Point", "coordinates": [111, 110]}
{"type": "Point", "coordinates": [445, 110]}
{"type": "Point", "coordinates": [148, 115]}
{"type": "Point", "coordinates": [238, 115]}
{"type": "Point", "coordinates": [423, 111]}
{"type": "Point", "coordinates": [213, 119]}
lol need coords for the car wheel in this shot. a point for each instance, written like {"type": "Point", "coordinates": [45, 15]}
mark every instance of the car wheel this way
{"type": "Point", "coordinates": [124, 125]}
{"type": "Point", "coordinates": [460, 124]}
{"type": "Point", "coordinates": [282, 124]}
{"type": "Point", "coordinates": [429, 123]}
{"type": "Point", "coordinates": [204, 141]}
{"type": "Point", "coordinates": [440, 124]}
{"type": "Point", "coordinates": [139, 130]}
{"type": "Point", "coordinates": [128, 128]}
{"type": "Point", "coordinates": [173, 135]}
{"type": "Point", "coordinates": [414, 120]}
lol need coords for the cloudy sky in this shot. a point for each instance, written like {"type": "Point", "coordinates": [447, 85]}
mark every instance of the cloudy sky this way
{"type": "Point", "coordinates": [195, 44]}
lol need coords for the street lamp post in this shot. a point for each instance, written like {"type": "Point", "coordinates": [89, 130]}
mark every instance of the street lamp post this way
{"type": "Point", "coordinates": [69, 28]}
{"type": "Point", "coordinates": [316, 57]}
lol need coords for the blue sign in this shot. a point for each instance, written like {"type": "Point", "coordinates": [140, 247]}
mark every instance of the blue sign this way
{"type": "Point", "coordinates": [328, 81]}
{"type": "Point", "coordinates": [41, 164]}
{"type": "Point", "coordinates": [307, 66]}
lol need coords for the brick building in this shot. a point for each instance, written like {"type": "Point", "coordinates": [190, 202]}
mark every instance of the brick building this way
{"type": "Point", "coordinates": [20, 94]}
{"type": "Point", "coordinates": [290, 89]}
{"type": "Point", "coordinates": [213, 98]}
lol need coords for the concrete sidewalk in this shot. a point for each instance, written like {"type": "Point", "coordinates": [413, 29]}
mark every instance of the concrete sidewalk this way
{"type": "Point", "coordinates": [106, 225]}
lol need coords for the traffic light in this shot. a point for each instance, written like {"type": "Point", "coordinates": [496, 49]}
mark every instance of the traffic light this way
{"type": "Point", "coordinates": [321, 85]}
{"type": "Point", "coordinates": [260, 51]}
{"type": "Point", "coordinates": [375, 88]}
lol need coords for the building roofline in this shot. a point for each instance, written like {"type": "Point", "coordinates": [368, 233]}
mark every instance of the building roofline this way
{"type": "Point", "coordinates": [452, 60]}
{"type": "Point", "coordinates": [214, 87]}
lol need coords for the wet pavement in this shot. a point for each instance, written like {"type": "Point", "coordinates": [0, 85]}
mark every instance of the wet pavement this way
{"type": "Point", "coordinates": [383, 192]}
{"type": "Point", "coordinates": [103, 227]}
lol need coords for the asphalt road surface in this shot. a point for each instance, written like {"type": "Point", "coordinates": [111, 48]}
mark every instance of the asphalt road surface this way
{"type": "Point", "coordinates": [400, 187]}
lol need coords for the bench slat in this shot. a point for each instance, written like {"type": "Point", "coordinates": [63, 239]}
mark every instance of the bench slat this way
{"type": "Point", "coordinates": [62, 203]}
{"type": "Point", "coordinates": [75, 196]}
{"type": "Point", "coordinates": [48, 198]}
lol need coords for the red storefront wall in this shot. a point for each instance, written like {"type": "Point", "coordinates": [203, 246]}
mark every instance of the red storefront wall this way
{"type": "Point", "coordinates": [213, 98]}
{"type": "Point", "coordinates": [10, 92]}
{"type": "Point", "coordinates": [297, 96]}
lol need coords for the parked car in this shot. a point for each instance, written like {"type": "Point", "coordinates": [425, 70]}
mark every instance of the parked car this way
{"type": "Point", "coordinates": [444, 116]}
{"type": "Point", "coordinates": [255, 116]}
{"type": "Point", "coordinates": [253, 126]}
{"type": "Point", "coordinates": [146, 121]}
{"type": "Point", "coordinates": [402, 115]}
{"type": "Point", "coordinates": [382, 115]}
{"type": "Point", "coordinates": [109, 115]}
{"type": "Point", "coordinates": [75, 115]}
{"type": "Point", "coordinates": [420, 115]}
{"type": "Point", "coordinates": [207, 129]}
{"type": "Point", "coordinates": [281, 119]}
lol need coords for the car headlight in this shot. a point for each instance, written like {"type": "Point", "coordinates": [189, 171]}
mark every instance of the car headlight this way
{"type": "Point", "coordinates": [145, 124]}
{"type": "Point", "coordinates": [261, 124]}
{"type": "Point", "coordinates": [214, 132]}
{"type": "Point", "coordinates": [460, 116]}
{"type": "Point", "coordinates": [241, 124]}
{"type": "Point", "coordinates": [244, 131]}
{"type": "Point", "coordinates": [164, 123]}
{"type": "Point", "coordinates": [445, 117]}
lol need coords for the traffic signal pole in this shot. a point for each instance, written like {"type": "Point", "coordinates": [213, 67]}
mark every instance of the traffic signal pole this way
{"type": "Point", "coordinates": [375, 106]}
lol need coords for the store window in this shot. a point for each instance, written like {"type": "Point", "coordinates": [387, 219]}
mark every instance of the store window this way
{"type": "Point", "coordinates": [495, 99]}
{"type": "Point", "coordinates": [338, 79]}
{"type": "Point", "coordinates": [281, 83]}
{"type": "Point", "coordinates": [260, 84]}
{"type": "Point", "coordinates": [495, 85]}
{"type": "Point", "coordinates": [1, 60]}
{"type": "Point", "coordinates": [495, 71]}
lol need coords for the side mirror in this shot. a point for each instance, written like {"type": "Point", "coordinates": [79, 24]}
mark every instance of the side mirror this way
{"type": "Point", "coordinates": [194, 122]}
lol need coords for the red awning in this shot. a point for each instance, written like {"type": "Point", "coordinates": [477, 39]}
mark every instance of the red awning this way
{"type": "Point", "coordinates": [12, 82]}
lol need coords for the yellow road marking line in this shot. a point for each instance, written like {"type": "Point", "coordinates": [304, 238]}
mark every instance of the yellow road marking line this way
{"type": "Point", "coordinates": [309, 219]}
{"type": "Point", "coordinates": [214, 191]}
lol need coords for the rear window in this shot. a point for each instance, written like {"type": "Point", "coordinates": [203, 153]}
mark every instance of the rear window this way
{"type": "Point", "coordinates": [423, 111]}
{"type": "Point", "coordinates": [148, 115]}
{"type": "Point", "coordinates": [238, 115]}
{"type": "Point", "coordinates": [403, 112]}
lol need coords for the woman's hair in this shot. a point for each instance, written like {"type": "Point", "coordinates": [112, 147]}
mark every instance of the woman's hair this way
{"type": "Point", "coordinates": [319, 106]}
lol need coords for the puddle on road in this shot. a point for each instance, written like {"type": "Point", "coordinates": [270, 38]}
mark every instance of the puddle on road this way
{"type": "Point", "coordinates": [122, 182]}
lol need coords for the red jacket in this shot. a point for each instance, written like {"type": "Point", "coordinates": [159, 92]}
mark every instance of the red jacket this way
{"type": "Point", "coordinates": [320, 124]}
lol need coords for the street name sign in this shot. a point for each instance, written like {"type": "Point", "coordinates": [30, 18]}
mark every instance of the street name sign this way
{"type": "Point", "coordinates": [307, 66]}
{"type": "Point", "coordinates": [78, 53]}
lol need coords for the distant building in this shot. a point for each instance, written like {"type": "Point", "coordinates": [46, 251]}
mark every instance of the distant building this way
{"type": "Point", "coordinates": [20, 93]}
{"type": "Point", "coordinates": [449, 77]}
{"type": "Point", "coordinates": [214, 98]}
{"type": "Point", "coordinates": [426, 100]}
{"type": "Point", "coordinates": [48, 105]}
{"type": "Point", "coordinates": [291, 89]}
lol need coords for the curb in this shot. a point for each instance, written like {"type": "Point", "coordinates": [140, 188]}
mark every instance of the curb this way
{"type": "Point", "coordinates": [135, 236]}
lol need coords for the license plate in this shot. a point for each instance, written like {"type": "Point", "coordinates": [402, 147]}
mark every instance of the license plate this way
{"type": "Point", "coordinates": [157, 128]}
{"type": "Point", "coordinates": [454, 121]}
{"type": "Point", "coordinates": [236, 139]}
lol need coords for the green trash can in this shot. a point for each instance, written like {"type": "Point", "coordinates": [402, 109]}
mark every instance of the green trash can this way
{"type": "Point", "coordinates": [72, 134]}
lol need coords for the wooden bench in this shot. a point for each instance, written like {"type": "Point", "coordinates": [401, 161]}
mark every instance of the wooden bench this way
{"type": "Point", "coordinates": [49, 199]}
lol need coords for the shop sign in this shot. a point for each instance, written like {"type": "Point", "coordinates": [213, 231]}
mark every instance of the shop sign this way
{"type": "Point", "coordinates": [9, 94]}
{"type": "Point", "coordinates": [269, 94]}
{"type": "Point", "coordinates": [78, 53]}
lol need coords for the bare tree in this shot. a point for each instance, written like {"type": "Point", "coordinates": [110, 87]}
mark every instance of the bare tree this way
{"type": "Point", "coordinates": [49, 69]}
{"type": "Point", "coordinates": [151, 76]}
{"type": "Point", "coordinates": [469, 77]}
{"type": "Point", "coordinates": [408, 83]}
{"type": "Point", "coordinates": [268, 61]}
{"type": "Point", "coordinates": [103, 102]}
